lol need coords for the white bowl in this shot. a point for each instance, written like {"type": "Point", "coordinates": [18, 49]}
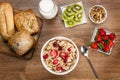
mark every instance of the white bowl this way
{"type": "Point", "coordinates": [103, 19]}
{"type": "Point", "coordinates": [51, 71]}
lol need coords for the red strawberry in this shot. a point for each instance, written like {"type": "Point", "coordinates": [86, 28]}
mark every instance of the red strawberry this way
{"type": "Point", "coordinates": [59, 68]}
{"type": "Point", "coordinates": [69, 49]}
{"type": "Point", "coordinates": [94, 45]}
{"type": "Point", "coordinates": [105, 37]}
{"type": "Point", "coordinates": [98, 38]}
{"type": "Point", "coordinates": [110, 43]}
{"type": "Point", "coordinates": [55, 61]}
{"type": "Point", "coordinates": [45, 56]}
{"type": "Point", "coordinates": [63, 55]}
{"type": "Point", "coordinates": [53, 53]}
{"type": "Point", "coordinates": [101, 32]}
{"type": "Point", "coordinates": [112, 36]}
{"type": "Point", "coordinates": [106, 48]}
{"type": "Point", "coordinates": [66, 58]}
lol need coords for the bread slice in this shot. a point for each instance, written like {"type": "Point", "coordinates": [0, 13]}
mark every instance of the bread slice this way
{"type": "Point", "coordinates": [26, 20]}
{"type": "Point", "coordinates": [6, 20]}
{"type": "Point", "coordinates": [21, 42]}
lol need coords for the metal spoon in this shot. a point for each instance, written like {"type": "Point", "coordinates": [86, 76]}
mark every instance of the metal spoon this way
{"type": "Point", "coordinates": [85, 52]}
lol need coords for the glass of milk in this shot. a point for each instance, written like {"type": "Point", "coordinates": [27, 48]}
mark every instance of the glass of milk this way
{"type": "Point", "coordinates": [48, 9]}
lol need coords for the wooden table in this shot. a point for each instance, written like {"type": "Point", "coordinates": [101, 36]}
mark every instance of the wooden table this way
{"type": "Point", "coordinates": [108, 67]}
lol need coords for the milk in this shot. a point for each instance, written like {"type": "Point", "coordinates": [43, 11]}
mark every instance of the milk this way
{"type": "Point", "coordinates": [48, 9]}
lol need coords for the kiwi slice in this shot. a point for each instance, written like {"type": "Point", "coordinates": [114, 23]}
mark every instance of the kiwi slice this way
{"type": "Point", "coordinates": [78, 17]}
{"type": "Point", "coordinates": [68, 9]}
{"type": "Point", "coordinates": [66, 16]}
{"type": "Point", "coordinates": [70, 23]}
{"type": "Point", "coordinates": [76, 8]}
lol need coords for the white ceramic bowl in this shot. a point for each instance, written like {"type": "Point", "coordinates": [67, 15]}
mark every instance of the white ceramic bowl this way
{"type": "Point", "coordinates": [47, 68]}
{"type": "Point", "coordinates": [101, 20]}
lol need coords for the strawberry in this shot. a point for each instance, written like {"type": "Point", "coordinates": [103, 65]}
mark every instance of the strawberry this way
{"type": "Point", "coordinates": [64, 55]}
{"type": "Point", "coordinates": [54, 53]}
{"type": "Point", "coordinates": [55, 61]}
{"type": "Point", "coordinates": [98, 38]}
{"type": "Point", "coordinates": [105, 37]}
{"type": "Point", "coordinates": [59, 68]}
{"type": "Point", "coordinates": [66, 58]}
{"type": "Point", "coordinates": [106, 48]}
{"type": "Point", "coordinates": [94, 45]}
{"type": "Point", "coordinates": [101, 32]}
{"type": "Point", "coordinates": [45, 56]}
{"type": "Point", "coordinates": [112, 36]}
{"type": "Point", "coordinates": [110, 43]}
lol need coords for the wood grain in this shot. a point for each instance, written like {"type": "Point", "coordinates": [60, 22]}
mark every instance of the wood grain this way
{"type": "Point", "coordinates": [108, 67]}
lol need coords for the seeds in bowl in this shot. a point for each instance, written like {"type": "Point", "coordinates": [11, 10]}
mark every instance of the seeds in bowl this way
{"type": "Point", "coordinates": [59, 55]}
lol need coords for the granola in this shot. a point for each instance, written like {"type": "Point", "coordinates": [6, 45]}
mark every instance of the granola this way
{"type": "Point", "coordinates": [59, 55]}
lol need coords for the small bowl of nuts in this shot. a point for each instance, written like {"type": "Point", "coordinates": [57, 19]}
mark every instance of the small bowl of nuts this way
{"type": "Point", "coordinates": [59, 55]}
{"type": "Point", "coordinates": [97, 14]}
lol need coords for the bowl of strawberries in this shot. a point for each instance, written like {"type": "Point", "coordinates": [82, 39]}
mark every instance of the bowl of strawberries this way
{"type": "Point", "coordinates": [59, 55]}
{"type": "Point", "coordinates": [102, 40]}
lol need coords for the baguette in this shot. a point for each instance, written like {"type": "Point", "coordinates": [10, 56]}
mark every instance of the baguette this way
{"type": "Point", "coordinates": [6, 20]}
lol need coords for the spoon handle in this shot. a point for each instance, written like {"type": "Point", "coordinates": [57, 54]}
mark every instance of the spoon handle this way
{"type": "Point", "coordinates": [96, 75]}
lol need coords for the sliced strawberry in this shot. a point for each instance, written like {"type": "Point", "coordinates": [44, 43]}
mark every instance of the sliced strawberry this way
{"type": "Point", "coordinates": [101, 32]}
{"type": "Point", "coordinates": [55, 61]}
{"type": "Point", "coordinates": [106, 48]}
{"type": "Point", "coordinates": [63, 55]}
{"type": "Point", "coordinates": [69, 49]}
{"type": "Point", "coordinates": [98, 38]}
{"type": "Point", "coordinates": [53, 53]}
{"type": "Point", "coordinates": [105, 37]}
{"type": "Point", "coordinates": [59, 68]}
{"type": "Point", "coordinates": [112, 36]}
{"type": "Point", "coordinates": [94, 45]}
{"type": "Point", "coordinates": [45, 56]}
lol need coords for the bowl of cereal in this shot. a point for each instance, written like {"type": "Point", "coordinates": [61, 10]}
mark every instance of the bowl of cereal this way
{"type": "Point", "coordinates": [97, 14]}
{"type": "Point", "coordinates": [59, 55]}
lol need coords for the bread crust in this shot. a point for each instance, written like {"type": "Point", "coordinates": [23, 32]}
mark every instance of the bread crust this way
{"type": "Point", "coordinates": [6, 20]}
{"type": "Point", "coordinates": [26, 20]}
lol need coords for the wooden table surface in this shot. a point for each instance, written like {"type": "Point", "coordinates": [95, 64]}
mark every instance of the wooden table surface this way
{"type": "Point", "coordinates": [108, 67]}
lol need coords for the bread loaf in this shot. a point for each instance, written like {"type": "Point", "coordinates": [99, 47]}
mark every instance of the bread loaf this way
{"type": "Point", "coordinates": [26, 20]}
{"type": "Point", "coordinates": [21, 42]}
{"type": "Point", "coordinates": [6, 20]}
